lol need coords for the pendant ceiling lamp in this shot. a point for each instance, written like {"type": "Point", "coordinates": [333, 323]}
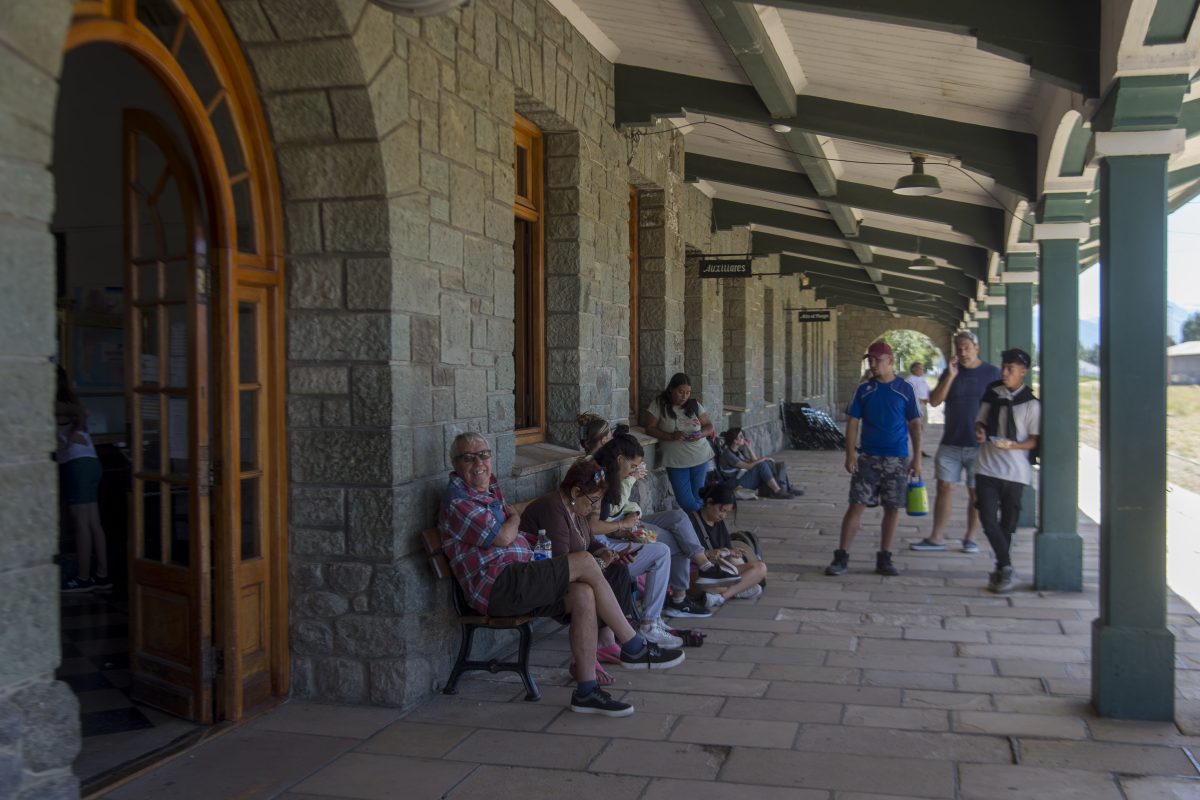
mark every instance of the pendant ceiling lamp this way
{"type": "Point", "coordinates": [419, 8]}
{"type": "Point", "coordinates": [922, 263]}
{"type": "Point", "coordinates": [917, 183]}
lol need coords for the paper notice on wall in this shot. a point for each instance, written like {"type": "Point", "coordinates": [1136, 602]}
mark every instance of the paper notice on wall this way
{"type": "Point", "coordinates": [177, 350]}
{"type": "Point", "coordinates": [149, 369]}
{"type": "Point", "coordinates": [177, 422]}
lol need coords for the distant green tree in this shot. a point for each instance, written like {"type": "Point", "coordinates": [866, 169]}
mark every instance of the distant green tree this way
{"type": "Point", "coordinates": [909, 347]}
{"type": "Point", "coordinates": [1191, 328]}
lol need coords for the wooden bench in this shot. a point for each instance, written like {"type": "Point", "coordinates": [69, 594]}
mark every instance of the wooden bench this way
{"type": "Point", "coordinates": [471, 621]}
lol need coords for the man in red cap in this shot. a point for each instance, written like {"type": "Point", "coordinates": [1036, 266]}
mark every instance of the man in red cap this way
{"type": "Point", "coordinates": [885, 411]}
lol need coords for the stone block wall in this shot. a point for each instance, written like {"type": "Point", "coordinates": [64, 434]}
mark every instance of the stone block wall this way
{"type": "Point", "coordinates": [39, 717]}
{"type": "Point", "coordinates": [857, 328]}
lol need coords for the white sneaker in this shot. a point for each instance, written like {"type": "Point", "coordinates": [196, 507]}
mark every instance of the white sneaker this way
{"type": "Point", "coordinates": [658, 633]}
{"type": "Point", "coordinates": [713, 600]}
{"type": "Point", "coordinates": [751, 593]}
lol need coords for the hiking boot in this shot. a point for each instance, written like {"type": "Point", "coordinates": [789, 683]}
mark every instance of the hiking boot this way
{"type": "Point", "coordinates": [927, 545]}
{"type": "Point", "coordinates": [655, 631]}
{"type": "Point", "coordinates": [599, 702]}
{"type": "Point", "coordinates": [717, 575]}
{"type": "Point", "coordinates": [687, 607]}
{"type": "Point", "coordinates": [884, 565]}
{"type": "Point", "coordinates": [841, 562]}
{"type": "Point", "coordinates": [1006, 581]}
{"type": "Point", "coordinates": [652, 657]}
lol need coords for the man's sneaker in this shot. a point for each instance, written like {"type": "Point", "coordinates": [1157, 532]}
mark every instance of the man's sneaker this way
{"type": "Point", "coordinates": [883, 563]}
{"type": "Point", "coordinates": [655, 631]}
{"type": "Point", "coordinates": [927, 544]}
{"type": "Point", "coordinates": [970, 546]}
{"type": "Point", "coordinates": [652, 657]}
{"type": "Point", "coordinates": [713, 600]}
{"type": "Point", "coordinates": [687, 607]}
{"type": "Point", "coordinates": [780, 495]}
{"type": "Point", "coordinates": [749, 594]}
{"type": "Point", "coordinates": [599, 702]}
{"type": "Point", "coordinates": [796, 492]}
{"type": "Point", "coordinates": [993, 579]}
{"type": "Point", "coordinates": [841, 562]}
{"type": "Point", "coordinates": [717, 575]}
{"type": "Point", "coordinates": [102, 584]}
{"type": "Point", "coordinates": [1006, 581]}
{"type": "Point", "coordinates": [77, 585]}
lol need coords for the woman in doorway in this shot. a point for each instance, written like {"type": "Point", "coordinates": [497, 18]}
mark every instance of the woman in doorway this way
{"type": "Point", "coordinates": [709, 522]}
{"type": "Point", "coordinates": [619, 518]}
{"type": "Point", "coordinates": [737, 462]}
{"type": "Point", "coordinates": [678, 420]}
{"type": "Point", "coordinates": [81, 471]}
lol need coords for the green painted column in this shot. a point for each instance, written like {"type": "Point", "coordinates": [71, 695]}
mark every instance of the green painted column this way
{"type": "Point", "coordinates": [1018, 313]}
{"type": "Point", "coordinates": [997, 329]}
{"type": "Point", "coordinates": [1058, 548]}
{"type": "Point", "coordinates": [982, 332]}
{"type": "Point", "coordinates": [1132, 650]}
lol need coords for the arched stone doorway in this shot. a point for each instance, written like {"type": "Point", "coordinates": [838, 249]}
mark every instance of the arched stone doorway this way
{"type": "Point", "coordinates": [858, 327]}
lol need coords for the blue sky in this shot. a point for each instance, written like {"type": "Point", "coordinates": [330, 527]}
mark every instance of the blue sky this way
{"type": "Point", "coordinates": [1183, 261]}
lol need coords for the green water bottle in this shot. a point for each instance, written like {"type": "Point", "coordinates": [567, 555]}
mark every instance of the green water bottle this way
{"type": "Point", "coordinates": [918, 498]}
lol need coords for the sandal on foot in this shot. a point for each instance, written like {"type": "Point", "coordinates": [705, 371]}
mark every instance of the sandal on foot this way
{"type": "Point", "coordinates": [609, 655]}
{"type": "Point", "coordinates": [602, 676]}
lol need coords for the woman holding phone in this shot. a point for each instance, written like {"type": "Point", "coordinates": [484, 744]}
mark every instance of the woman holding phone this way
{"type": "Point", "coordinates": [678, 420]}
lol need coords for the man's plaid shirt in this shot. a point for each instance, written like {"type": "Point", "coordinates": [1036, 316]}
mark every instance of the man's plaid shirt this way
{"type": "Point", "coordinates": [469, 523]}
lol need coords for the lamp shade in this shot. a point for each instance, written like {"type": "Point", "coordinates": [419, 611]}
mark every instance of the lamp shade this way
{"type": "Point", "coordinates": [419, 8]}
{"type": "Point", "coordinates": [917, 183]}
{"type": "Point", "coordinates": [923, 264]}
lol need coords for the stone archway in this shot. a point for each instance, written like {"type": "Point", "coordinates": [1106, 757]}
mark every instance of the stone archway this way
{"type": "Point", "coordinates": [858, 327]}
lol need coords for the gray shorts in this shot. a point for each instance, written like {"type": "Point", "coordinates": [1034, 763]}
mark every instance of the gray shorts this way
{"type": "Point", "coordinates": [951, 462]}
{"type": "Point", "coordinates": [880, 481]}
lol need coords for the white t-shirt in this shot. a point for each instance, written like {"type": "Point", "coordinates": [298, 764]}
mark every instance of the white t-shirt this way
{"type": "Point", "coordinates": [920, 386]}
{"type": "Point", "coordinates": [1009, 465]}
{"type": "Point", "coordinates": [683, 454]}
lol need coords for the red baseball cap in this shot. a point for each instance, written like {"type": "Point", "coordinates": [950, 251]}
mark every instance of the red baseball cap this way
{"type": "Point", "coordinates": [878, 349]}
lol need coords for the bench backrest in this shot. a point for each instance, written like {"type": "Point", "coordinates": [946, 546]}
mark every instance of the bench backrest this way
{"type": "Point", "coordinates": [431, 540]}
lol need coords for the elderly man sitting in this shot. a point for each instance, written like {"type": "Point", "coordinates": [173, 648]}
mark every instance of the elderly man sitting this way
{"type": "Point", "coordinates": [493, 561]}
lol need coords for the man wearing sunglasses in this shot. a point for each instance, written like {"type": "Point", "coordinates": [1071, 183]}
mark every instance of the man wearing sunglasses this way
{"type": "Point", "coordinates": [493, 562]}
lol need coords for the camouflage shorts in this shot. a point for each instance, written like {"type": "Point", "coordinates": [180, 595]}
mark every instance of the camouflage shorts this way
{"type": "Point", "coordinates": [880, 480]}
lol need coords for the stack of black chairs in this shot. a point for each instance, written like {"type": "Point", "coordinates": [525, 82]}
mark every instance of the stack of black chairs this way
{"type": "Point", "coordinates": [810, 429]}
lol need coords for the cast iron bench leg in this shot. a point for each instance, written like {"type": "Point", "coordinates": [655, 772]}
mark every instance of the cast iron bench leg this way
{"type": "Point", "coordinates": [460, 666]}
{"type": "Point", "coordinates": [531, 689]}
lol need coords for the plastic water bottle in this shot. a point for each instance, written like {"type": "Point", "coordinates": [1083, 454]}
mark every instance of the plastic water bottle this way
{"type": "Point", "coordinates": [543, 550]}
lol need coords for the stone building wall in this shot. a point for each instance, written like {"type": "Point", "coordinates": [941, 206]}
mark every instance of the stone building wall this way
{"type": "Point", "coordinates": [857, 328]}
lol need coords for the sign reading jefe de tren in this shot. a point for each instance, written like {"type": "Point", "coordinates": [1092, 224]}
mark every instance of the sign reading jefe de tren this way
{"type": "Point", "coordinates": [814, 315]}
{"type": "Point", "coordinates": [725, 267]}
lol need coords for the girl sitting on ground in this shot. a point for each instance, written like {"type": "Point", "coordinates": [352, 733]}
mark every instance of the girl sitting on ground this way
{"type": "Point", "coordinates": [739, 464]}
{"type": "Point", "coordinates": [710, 528]}
{"type": "Point", "coordinates": [618, 517]}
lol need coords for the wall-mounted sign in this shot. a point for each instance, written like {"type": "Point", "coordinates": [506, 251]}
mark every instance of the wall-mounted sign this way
{"type": "Point", "coordinates": [725, 267]}
{"type": "Point", "coordinates": [814, 315]}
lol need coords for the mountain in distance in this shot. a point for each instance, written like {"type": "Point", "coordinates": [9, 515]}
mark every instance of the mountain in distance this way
{"type": "Point", "coordinates": [1089, 329]}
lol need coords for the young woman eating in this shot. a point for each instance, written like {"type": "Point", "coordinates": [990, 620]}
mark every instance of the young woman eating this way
{"type": "Point", "coordinates": [710, 528]}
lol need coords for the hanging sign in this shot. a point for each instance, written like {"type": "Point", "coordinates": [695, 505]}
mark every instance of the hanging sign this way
{"type": "Point", "coordinates": [725, 267]}
{"type": "Point", "coordinates": [814, 315]}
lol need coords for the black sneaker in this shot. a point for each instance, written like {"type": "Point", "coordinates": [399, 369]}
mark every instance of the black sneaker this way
{"type": "Point", "coordinates": [687, 607]}
{"type": "Point", "coordinates": [77, 585]}
{"type": "Point", "coordinates": [796, 492]}
{"type": "Point", "coordinates": [652, 657]}
{"type": "Point", "coordinates": [717, 575]}
{"type": "Point", "coordinates": [884, 565]}
{"type": "Point", "coordinates": [841, 562]}
{"type": "Point", "coordinates": [599, 702]}
{"type": "Point", "coordinates": [102, 584]}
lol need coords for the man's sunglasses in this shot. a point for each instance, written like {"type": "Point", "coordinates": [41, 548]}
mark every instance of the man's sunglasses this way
{"type": "Point", "coordinates": [471, 458]}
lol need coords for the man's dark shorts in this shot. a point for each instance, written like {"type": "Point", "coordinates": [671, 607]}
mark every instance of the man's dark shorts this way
{"type": "Point", "coordinates": [880, 480]}
{"type": "Point", "coordinates": [531, 587]}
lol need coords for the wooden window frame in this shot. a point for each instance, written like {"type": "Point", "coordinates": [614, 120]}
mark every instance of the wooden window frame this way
{"type": "Point", "coordinates": [634, 320]}
{"type": "Point", "coordinates": [531, 209]}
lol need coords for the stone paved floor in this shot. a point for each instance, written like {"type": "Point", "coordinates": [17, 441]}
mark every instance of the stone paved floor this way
{"type": "Point", "coordinates": [848, 688]}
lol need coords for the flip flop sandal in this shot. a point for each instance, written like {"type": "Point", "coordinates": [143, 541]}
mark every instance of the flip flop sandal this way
{"type": "Point", "coordinates": [602, 676]}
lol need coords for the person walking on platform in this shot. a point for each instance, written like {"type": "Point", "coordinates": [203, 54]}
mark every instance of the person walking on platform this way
{"type": "Point", "coordinates": [1007, 431]}
{"type": "Point", "coordinates": [885, 410]}
{"type": "Point", "coordinates": [960, 388]}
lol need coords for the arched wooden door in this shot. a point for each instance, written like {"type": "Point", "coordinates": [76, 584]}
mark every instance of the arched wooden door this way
{"type": "Point", "coordinates": [235, 456]}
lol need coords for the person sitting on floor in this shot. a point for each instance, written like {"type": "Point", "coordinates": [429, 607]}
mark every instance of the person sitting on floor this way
{"type": "Point", "coordinates": [709, 522]}
{"type": "Point", "coordinates": [620, 518]}
{"type": "Point", "coordinates": [739, 465]}
{"type": "Point", "coordinates": [493, 562]}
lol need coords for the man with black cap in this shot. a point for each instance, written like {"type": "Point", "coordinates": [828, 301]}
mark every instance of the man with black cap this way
{"type": "Point", "coordinates": [1007, 431]}
{"type": "Point", "coordinates": [885, 409]}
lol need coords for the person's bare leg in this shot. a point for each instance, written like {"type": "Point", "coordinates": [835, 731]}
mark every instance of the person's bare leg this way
{"type": "Point", "coordinates": [83, 540]}
{"type": "Point", "coordinates": [941, 510]}
{"type": "Point", "coordinates": [585, 570]}
{"type": "Point", "coordinates": [581, 605]}
{"type": "Point", "coordinates": [973, 524]}
{"type": "Point", "coordinates": [850, 525]}
{"type": "Point", "coordinates": [751, 575]}
{"type": "Point", "coordinates": [99, 542]}
{"type": "Point", "coordinates": [891, 518]}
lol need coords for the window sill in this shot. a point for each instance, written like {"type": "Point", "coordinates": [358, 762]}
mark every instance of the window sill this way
{"type": "Point", "coordinates": [534, 458]}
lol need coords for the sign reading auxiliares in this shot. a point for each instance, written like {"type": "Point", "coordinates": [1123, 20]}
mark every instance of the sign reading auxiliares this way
{"type": "Point", "coordinates": [725, 267]}
{"type": "Point", "coordinates": [814, 315]}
